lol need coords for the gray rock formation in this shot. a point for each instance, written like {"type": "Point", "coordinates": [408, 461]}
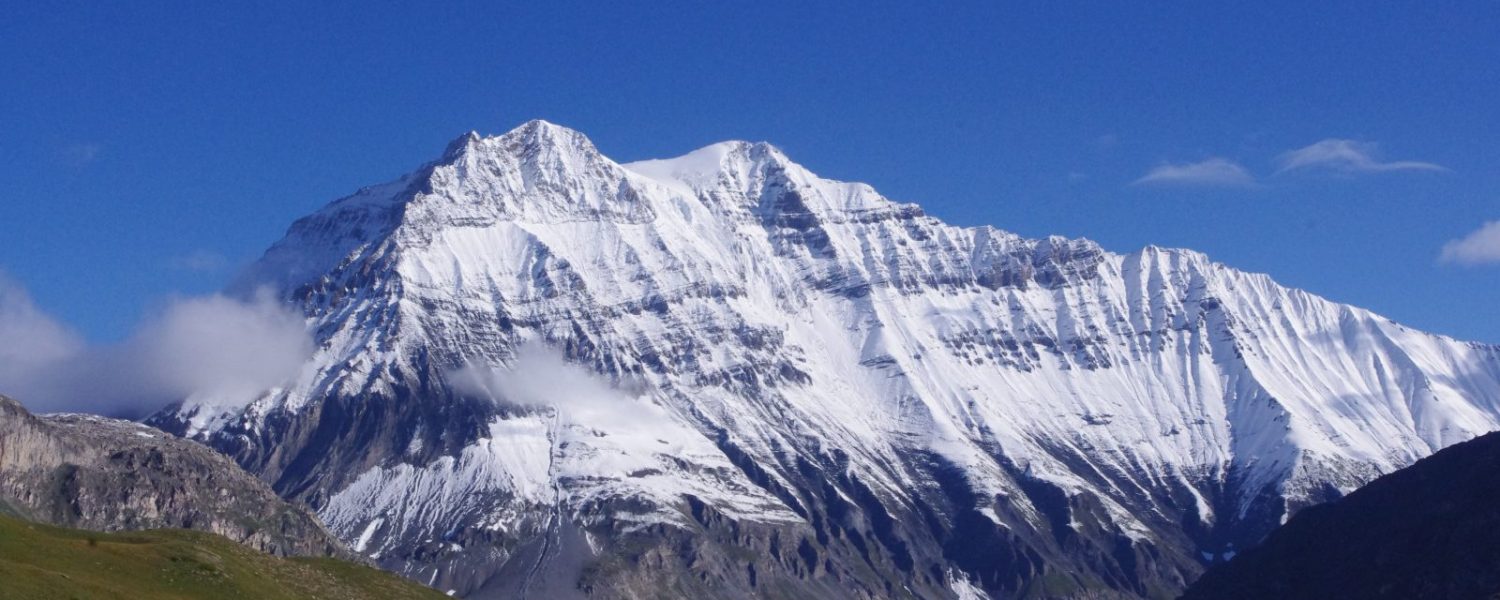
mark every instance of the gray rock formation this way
{"type": "Point", "coordinates": [104, 474]}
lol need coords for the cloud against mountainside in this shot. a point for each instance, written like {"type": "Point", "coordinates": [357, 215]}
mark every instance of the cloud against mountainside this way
{"type": "Point", "coordinates": [1482, 246]}
{"type": "Point", "coordinates": [1218, 172]}
{"type": "Point", "coordinates": [540, 377]}
{"type": "Point", "coordinates": [1346, 156]}
{"type": "Point", "coordinates": [220, 350]}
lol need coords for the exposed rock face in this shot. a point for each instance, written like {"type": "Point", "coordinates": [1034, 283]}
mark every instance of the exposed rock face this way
{"type": "Point", "coordinates": [109, 475]}
{"type": "Point", "coordinates": [843, 397]}
{"type": "Point", "coordinates": [1429, 531]}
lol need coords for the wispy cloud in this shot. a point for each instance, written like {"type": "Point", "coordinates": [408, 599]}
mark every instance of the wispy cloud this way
{"type": "Point", "coordinates": [540, 377]}
{"type": "Point", "coordinates": [200, 261]}
{"type": "Point", "coordinates": [31, 338]}
{"type": "Point", "coordinates": [81, 153]}
{"type": "Point", "coordinates": [1478, 248]}
{"type": "Point", "coordinates": [1219, 172]}
{"type": "Point", "coordinates": [1347, 156]}
{"type": "Point", "coordinates": [215, 350]}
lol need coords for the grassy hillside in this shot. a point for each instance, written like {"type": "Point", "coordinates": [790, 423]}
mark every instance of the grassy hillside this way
{"type": "Point", "coordinates": [40, 561]}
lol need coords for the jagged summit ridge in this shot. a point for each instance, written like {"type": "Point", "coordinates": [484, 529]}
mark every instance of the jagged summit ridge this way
{"type": "Point", "coordinates": [866, 397]}
{"type": "Point", "coordinates": [531, 174]}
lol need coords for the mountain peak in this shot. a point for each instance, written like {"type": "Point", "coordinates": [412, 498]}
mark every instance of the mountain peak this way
{"type": "Point", "coordinates": [460, 144]}
{"type": "Point", "coordinates": [537, 134]}
{"type": "Point", "coordinates": [733, 160]}
{"type": "Point", "coordinates": [530, 140]}
{"type": "Point", "coordinates": [542, 129]}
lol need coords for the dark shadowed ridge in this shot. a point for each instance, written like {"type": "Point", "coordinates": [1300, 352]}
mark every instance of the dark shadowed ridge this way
{"type": "Point", "coordinates": [1431, 530]}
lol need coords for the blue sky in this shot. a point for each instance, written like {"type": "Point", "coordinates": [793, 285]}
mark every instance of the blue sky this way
{"type": "Point", "coordinates": [147, 151]}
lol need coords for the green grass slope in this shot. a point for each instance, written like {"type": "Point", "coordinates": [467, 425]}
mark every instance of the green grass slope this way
{"type": "Point", "coordinates": [43, 562]}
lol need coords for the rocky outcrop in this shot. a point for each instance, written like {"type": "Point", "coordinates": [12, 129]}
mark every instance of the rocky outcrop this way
{"type": "Point", "coordinates": [91, 472]}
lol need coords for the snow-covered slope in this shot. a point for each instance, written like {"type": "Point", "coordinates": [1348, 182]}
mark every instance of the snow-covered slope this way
{"type": "Point", "coordinates": [804, 387]}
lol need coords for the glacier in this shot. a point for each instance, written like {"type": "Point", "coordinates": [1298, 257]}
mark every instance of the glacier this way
{"type": "Point", "coordinates": [789, 386]}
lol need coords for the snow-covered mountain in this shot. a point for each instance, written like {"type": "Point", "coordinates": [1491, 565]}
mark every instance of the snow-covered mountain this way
{"type": "Point", "coordinates": [542, 373]}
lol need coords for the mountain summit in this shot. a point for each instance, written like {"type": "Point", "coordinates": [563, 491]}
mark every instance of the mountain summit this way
{"type": "Point", "coordinates": [542, 373]}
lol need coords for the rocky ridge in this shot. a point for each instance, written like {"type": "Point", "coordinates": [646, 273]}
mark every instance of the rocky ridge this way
{"type": "Point", "coordinates": [91, 472]}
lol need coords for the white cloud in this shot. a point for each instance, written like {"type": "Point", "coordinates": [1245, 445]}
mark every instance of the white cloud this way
{"type": "Point", "coordinates": [1348, 156]}
{"type": "Point", "coordinates": [541, 378]}
{"type": "Point", "coordinates": [218, 350]}
{"type": "Point", "coordinates": [1482, 246]}
{"type": "Point", "coordinates": [1211, 172]}
{"type": "Point", "coordinates": [30, 339]}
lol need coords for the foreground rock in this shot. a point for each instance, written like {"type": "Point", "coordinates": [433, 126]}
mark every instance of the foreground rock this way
{"type": "Point", "coordinates": [104, 474]}
{"type": "Point", "coordinates": [1431, 530]}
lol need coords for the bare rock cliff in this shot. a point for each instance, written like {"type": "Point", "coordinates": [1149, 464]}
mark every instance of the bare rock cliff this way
{"type": "Point", "coordinates": [110, 475]}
